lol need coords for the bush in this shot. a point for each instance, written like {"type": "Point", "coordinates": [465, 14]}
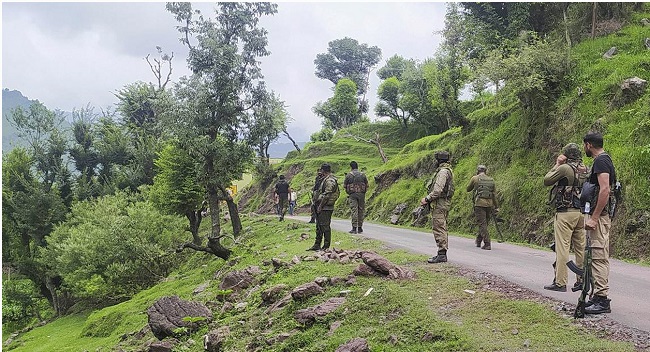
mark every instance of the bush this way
{"type": "Point", "coordinates": [324, 135]}
{"type": "Point", "coordinates": [22, 304]}
{"type": "Point", "coordinates": [112, 247]}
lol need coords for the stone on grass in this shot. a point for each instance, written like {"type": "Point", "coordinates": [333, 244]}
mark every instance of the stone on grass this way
{"type": "Point", "coordinates": [239, 279]}
{"type": "Point", "coordinates": [168, 315]}
{"type": "Point", "coordinates": [357, 344]}
{"type": "Point", "coordinates": [306, 290]}
{"type": "Point", "coordinates": [610, 53]}
{"type": "Point", "coordinates": [309, 315]}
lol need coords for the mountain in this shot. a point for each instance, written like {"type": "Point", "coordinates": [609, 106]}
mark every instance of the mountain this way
{"type": "Point", "coordinates": [11, 99]}
{"type": "Point", "coordinates": [280, 150]}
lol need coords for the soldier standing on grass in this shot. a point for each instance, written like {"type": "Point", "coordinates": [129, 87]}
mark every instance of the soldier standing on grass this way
{"type": "Point", "coordinates": [282, 189]}
{"type": "Point", "coordinates": [485, 203]}
{"type": "Point", "coordinates": [314, 195]}
{"type": "Point", "coordinates": [442, 189]}
{"type": "Point", "coordinates": [356, 184]}
{"type": "Point", "coordinates": [328, 194]}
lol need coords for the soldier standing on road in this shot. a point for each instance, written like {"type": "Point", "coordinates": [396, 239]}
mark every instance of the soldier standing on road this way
{"type": "Point", "coordinates": [356, 184]}
{"type": "Point", "coordinates": [567, 177]}
{"type": "Point", "coordinates": [440, 201]}
{"type": "Point", "coordinates": [282, 189]}
{"type": "Point", "coordinates": [328, 194]}
{"type": "Point", "coordinates": [314, 195]}
{"type": "Point", "coordinates": [485, 203]}
{"type": "Point", "coordinates": [598, 221]}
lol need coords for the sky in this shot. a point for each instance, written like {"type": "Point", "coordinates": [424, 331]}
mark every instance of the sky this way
{"type": "Point", "coordinates": [70, 55]}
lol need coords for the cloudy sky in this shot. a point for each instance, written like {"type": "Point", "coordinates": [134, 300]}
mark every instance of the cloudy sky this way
{"type": "Point", "coordinates": [68, 55]}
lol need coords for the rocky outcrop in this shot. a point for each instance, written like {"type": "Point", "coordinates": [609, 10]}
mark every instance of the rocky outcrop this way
{"type": "Point", "coordinates": [170, 314]}
{"type": "Point", "coordinates": [273, 294]}
{"type": "Point", "coordinates": [631, 90]}
{"type": "Point", "coordinates": [240, 279]}
{"type": "Point", "coordinates": [309, 315]}
{"type": "Point", "coordinates": [161, 346]}
{"type": "Point", "coordinates": [355, 345]}
{"type": "Point", "coordinates": [399, 210]}
{"type": "Point", "coordinates": [305, 291]}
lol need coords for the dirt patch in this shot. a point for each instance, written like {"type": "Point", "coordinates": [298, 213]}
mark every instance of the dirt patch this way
{"type": "Point", "coordinates": [601, 325]}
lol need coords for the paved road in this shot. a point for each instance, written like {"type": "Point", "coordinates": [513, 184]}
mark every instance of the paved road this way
{"type": "Point", "coordinates": [530, 268]}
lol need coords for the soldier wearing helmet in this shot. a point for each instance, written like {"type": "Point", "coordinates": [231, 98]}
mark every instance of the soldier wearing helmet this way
{"type": "Point", "coordinates": [567, 176]}
{"type": "Point", "coordinates": [441, 190]}
{"type": "Point", "coordinates": [485, 203]}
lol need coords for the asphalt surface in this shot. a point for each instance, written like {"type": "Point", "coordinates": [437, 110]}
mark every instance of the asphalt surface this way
{"type": "Point", "coordinates": [531, 268]}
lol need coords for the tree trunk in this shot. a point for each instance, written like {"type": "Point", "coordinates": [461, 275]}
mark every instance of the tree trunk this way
{"type": "Point", "coordinates": [61, 303]}
{"type": "Point", "coordinates": [381, 150]}
{"type": "Point", "coordinates": [234, 213]}
{"type": "Point", "coordinates": [214, 238]}
{"type": "Point", "coordinates": [194, 218]}
{"type": "Point", "coordinates": [593, 21]}
{"type": "Point", "coordinates": [295, 145]}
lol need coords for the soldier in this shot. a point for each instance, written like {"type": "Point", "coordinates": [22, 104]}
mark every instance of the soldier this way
{"type": "Point", "coordinates": [282, 189]}
{"type": "Point", "coordinates": [598, 222]}
{"type": "Point", "coordinates": [328, 194]}
{"type": "Point", "coordinates": [314, 195]}
{"type": "Point", "coordinates": [442, 189]}
{"type": "Point", "coordinates": [567, 177]}
{"type": "Point", "coordinates": [356, 184]}
{"type": "Point", "coordinates": [485, 204]}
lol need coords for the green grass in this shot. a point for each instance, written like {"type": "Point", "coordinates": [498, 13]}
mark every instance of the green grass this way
{"type": "Point", "coordinates": [395, 316]}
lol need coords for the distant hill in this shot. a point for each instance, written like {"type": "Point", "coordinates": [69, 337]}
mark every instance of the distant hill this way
{"type": "Point", "coordinates": [280, 150]}
{"type": "Point", "coordinates": [11, 99]}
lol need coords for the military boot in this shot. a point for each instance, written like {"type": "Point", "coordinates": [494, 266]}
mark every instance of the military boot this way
{"type": "Point", "coordinates": [577, 286]}
{"type": "Point", "coordinates": [316, 246]}
{"type": "Point", "coordinates": [440, 258]}
{"type": "Point", "coordinates": [354, 230]}
{"type": "Point", "coordinates": [359, 229]}
{"type": "Point", "coordinates": [478, 241]}
{"type": "Point", "coordinates": [487, 246]}
{"type": "Point", "coordinates": [600, 305]}
{"type": "Point", "coordinates": [328, 237]}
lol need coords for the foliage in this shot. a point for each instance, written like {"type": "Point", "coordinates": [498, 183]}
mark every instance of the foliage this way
{"type": "Point", "coordinates": [395, 67]}
{"type": "Point", "coordinates": [323, 135]}
{"type": "Point", "coordinates": [346, 58]}
{"type": "Point", "coordinates": [22, 303]}
{"type": "Point", "coordinates": [112, 247]}
{"type": "Point", "coordinates": [269, 118]}
{"type": "Point", "coordinates": [341, 110]}
{"type": "Point", "coordinates": [390, 96]}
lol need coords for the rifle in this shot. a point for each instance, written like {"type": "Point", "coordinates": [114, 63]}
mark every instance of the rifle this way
{"type": "Point", "coordinates": [587, 276]}
{"type": "Point", "coordinates": [496, 222]}
{"type": "Point", "coordinates": [420, 212]}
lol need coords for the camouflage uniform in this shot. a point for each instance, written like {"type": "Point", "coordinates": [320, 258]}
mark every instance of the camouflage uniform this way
{"type": "Point", "coordinates": [440, 201]}
{"type": "Point", "coordinates": [485, 202]}
{"type": "Point", "coordinates": [328, 194]}
{"type": "Point", "coordinates": [568, 225]}
{"type": "Point", "coordinates": [356, 184]}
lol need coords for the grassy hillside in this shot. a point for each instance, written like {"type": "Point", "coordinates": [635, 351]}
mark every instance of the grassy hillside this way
{"type": "Point", "coordinates": [517, 149]}
{"type": "Point", "coordinates": [439, 310]}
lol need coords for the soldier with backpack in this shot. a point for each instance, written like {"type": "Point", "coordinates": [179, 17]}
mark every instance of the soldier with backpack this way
{"type": "Point", "coordinates": [567, 176]}
{"type": "Point", "coordinates": [356, 184]}
{"type": "Point", "coordinates": [441, 190]}
{"type": "Point", "coordinates": [327, 196]}
{"type": "Point", "coordinates": [485, 204]}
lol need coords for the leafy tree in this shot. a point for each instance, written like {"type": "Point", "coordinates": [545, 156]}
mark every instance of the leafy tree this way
{"type": "Point", "coordinates": [341, 110]}
{"type": "Point", "coordinates": [84, 153]}
{"type": "Point", "coordinates": [325, 134]}
{"type": "Point", "coordinates": [176, 188]}
{"type": "Point", "coordinates": [390, 94]}
{"type": "Point", "coordinates": [395, 67]}
{"type": "Point", "coordinates": [269, 118]}
{"type": "Point", "coordinates": [112, 247]}
{"type": "Point", "coordinates": [22, 304]}
{"type": "Point", "coordinates": [212, 103]}
{"type": "Point", "coordinates": [346, 58]}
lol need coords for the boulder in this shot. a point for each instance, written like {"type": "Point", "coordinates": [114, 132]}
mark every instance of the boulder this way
{"type": "Point", "coordinates": [610, 53]}
{"type": "Point", "coordinates": [167, 316]}
{"type": "Point", "coordinates": [364, 270]}
{"type": "Point", "coordinates": [161, 346]}
{"type": "Point", "coordinates": [271, 295]}
{"type": "Point", "coordinates": [385, 267]}
{"type": "Point", "coordinates": [631, 90]}
{"type": "Point", "coordinates": [306, 290]}
{"type": "Point", "coordinates": [357, 344]}
{"type": "Point", "coordinates": [239, 279]}
{"type": "Point", "coordinates": [309, 315]}
{"type": "Point", "coordinates": [322, 281]}
{"type": "Point", "coordinates": [647, 43]}
{"type": "Point", "coordinates": [213, 341]}
{"type": "Point", "coordinates": [645, 22]}
{"type": "Point", "coordinates": [279, 304]}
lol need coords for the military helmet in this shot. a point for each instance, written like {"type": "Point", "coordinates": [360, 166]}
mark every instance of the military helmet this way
{"type": "Point", "coordinates": [442, 155]}
{"type": "Point", "coordinates": [481, 168]}
{"type": "Point", "coordinates": [572, 151]}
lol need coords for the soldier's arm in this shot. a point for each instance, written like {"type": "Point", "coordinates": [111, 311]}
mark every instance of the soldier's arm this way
{"type": "Point", "coordinates": [472, 184]}
{"type": "Point", "coordinates": [438, 186]}
{"type": "Point", "coordinates": [554, 175]}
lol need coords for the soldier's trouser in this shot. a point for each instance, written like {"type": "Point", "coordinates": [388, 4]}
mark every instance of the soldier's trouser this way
{"type": "Point", "coordinates": [357, 203]}
{"type": "Point", "coordinates": [282, 205]}
{"type": "Point", "coordinates": [439, 221]}
{"type": "Point", "coordinates": [323, 219]}
{"type": "Point", "coordinates": [482, 215]}
{"type": "Point", "coordinates": [600, 255]}
{"type": "Point", "coordinates": [569, 230]}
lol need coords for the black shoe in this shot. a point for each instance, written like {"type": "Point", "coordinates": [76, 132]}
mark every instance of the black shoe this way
{"type": "Point", "coordinates": [359, 230]}
{"type": "Point", "coordinates": [312, 221]}
{"type": "Point", "coordinates": [599, 305]}
{"type": "Point", "coordinates": [440, 258]}
{"type": "Point", "coordinates": [324, 248]}
{"type": "Point", "coordinates": [478, 241]}
{"type": "Point", "coordinates": [577, 286]}
{"type": "Point", "coordinates": [354, 230]}
{"type": "Point", "coordinates": [555, 287]}
{"type": "Point", "coordinates": [487, 247]}
{"type": "Point", "coordinates": [313, 248]}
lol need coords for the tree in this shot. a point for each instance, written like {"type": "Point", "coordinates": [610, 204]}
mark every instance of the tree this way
{"type": "Point", "coordinates": [176, 188]}
{"type": "Point", "coordinates": [390, 96]}
{"type": "Point", "coordinates": [84, 153]}
{"type": "Point", "coordinates": [269, 118]}
{"type": "Point", "coordinates": [395, 67]}
{"type": "Point", "coordinates": [346, 58]}
{"type": "Point", "coordinates": [341, 110]}
{"type": "Point", "coordinates": [212, 102]}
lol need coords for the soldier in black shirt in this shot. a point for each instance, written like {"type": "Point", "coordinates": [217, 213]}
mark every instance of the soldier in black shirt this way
{"type": "Point", "coordinates": [598, 222]}
{"type": "Point", "coordinates": [282, 189]}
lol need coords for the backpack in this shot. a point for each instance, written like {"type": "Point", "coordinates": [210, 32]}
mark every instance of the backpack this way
{"type": "Point", "coordinates": [569, 196]}
{"type": "Point", "coordinates": [335, 195]}
{"type": "Point", "coordinates": [484, 187]}
{"type": "Point", "coordinates": [357, 185]}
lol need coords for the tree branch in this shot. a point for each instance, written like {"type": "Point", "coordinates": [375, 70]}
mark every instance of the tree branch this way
{"type": "Point", "coordinates": [371, 141]}
{"type": "Point", "coordinates": [295, 145]}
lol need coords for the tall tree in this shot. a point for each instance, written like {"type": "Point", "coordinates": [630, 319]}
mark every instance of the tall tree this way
{"type": "Point", "coordinates": [269, 119]}
{"type": "Point", "coordinates": [341, 110]}
{"type": "Point", "coordinates": [213, 101]}
{"type": "Point", "coordinates": [390, 95]}
{"type": "Point", "coordinates": [346, 58]}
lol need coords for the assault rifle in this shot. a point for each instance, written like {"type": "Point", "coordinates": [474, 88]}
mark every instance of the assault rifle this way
{"type": "Point", "coordinates": [587, 277]}
{"type": "Point", "coordinates": [496, 225]}
{"type": "Point", "coordinates": [420, 212]}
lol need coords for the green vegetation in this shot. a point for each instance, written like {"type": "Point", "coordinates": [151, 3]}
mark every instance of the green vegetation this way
{"type": "Point", "coordinates": [428, 313]}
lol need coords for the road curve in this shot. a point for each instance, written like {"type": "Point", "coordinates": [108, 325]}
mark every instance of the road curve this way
{"type": "Point", "coordinates": [528, 267]}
